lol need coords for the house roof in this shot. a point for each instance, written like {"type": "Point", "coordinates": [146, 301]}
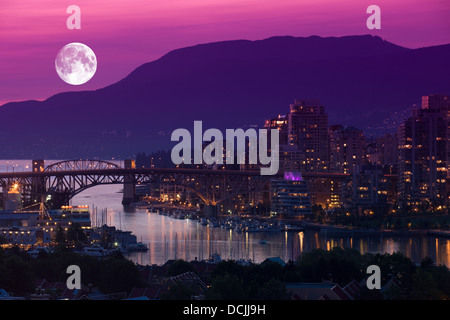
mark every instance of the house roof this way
{"type": "Point", "coordinates": [352, 289]}
{"type": "Point", "coordinates": [276, 259]}
{"type": "Point", "coordinates": [138, 298]}
{"type": "Point", "coordinates": [189, 276]}
{"type": "Point", "coordinates": [137, 292]}
{"type": "Point", "coordinates": [151, 292]}
{"type": "Point", "coordinates": [340, 293]}
{"type": "Point", "coordinates": [3, 293]}
{"type": "Point", "coordinates": [60, 288]}
{"type": "Point", "coordinates": [323, 290]}
{"type": "Point", "coordinates": [303, 285]}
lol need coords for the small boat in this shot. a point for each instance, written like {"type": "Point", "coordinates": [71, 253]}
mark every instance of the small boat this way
{"type": "Point", "coordinates": [35, 252]}
{"type": "Point", "coordinates": [262, 241]}
{"type": "Point", "coordinates": [244, 262]}
{"type": "Point", "coordinates": [215, 258]}
{"type": "Point", "coordinates": [96, 251]}
{"type": "Point", "coordinates": [137, 247]}
{"type": "Point", "coordinates": [289, 227]}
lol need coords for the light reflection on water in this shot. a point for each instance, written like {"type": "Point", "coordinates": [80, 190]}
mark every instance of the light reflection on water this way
{"type": "Point", "coordinates": [170, 238]}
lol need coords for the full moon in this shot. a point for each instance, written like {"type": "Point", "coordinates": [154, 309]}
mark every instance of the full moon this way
{"type": "Point", "coordinates": [76, 63]}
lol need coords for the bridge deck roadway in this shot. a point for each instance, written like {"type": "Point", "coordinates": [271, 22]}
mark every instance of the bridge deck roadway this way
{"type": "Point", "coordinates": [121, 171]}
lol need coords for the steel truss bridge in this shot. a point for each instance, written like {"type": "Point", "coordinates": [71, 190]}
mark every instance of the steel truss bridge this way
{"type": "Point", "coordinates": [74, 176]}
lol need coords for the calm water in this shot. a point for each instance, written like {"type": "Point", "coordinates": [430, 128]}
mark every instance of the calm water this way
{"type": "Point", "coordinates": [170, 238]}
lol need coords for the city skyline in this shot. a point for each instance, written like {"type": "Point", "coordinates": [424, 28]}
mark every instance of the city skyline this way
{"type": "Point", "coordinates": [309, 145]}
{"type": "Point", "coordinates": [123, 38]}
{"type": "Point", "coordinates": [193, 83]}
{"type": "Point", "coordinates": [224, 150]}
{"type": "Point", "coordinates": [417, 154]}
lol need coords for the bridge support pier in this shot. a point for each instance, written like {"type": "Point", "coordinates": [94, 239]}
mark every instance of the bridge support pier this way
{"type": "Point", "coordinates": [129, 184]}
{"type": "Point", "coordinates": [37, 183]}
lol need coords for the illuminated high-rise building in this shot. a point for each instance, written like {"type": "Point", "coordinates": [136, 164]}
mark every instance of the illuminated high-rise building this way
{"type": "Point", "coordinates": [388, 149]}
{"type": "Point", "coordinates": [441, 104]}
{"type": "Point", "coordinates": [308, 129]}
{"type": "Point", "coordinates": [279, 123]}
{"type": "Point", "coordinates": [289, 196]}
{"type": "Point", "coordinates": [347, 148]}
{"type": "Point", "coordinates": [424, 153]}
{"type": "Point", "coordinates": [38, 165]}
{"type": "Point", "coordinates": [370, 189]}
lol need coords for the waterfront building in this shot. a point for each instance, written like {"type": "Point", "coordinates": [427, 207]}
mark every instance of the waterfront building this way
{"type": "Point", "coordinates": [10, 218]}
{"type": "Point", "coordinates": [327, 192]}
{"type": "Point", "coordinates": [424, 153]}
{"type": "Point", "coordinates": [303, 137]}
{"type": "Point", "coordinates": [40, 227]}
{"type": "Point", "coordinates": [281, 123]}
{"type": "Point", "coordinates": [38, 165]}
{"type": "Point", "coordinates": [347, 148]}
{"type": "Point", "coordinates": [25, 237]}
{"type": "Point", "coordinates": [290, 158]}
{"type": "Point", "coordinates": [387, 146]}
{"type": "Point", "coordinates": [374, 155]}
{"type": "Point", "coordinates": [12, 200]}
{"type": "Point", "coordinates": [73, 214]}
{"type": "Point", "coordinates": [370, 189]}
{"type": "Point", "coordinates": [119, 238]}
{"type": "Point", "coordinates": [289, 196]}
{"type": "Point", "coordinates": [305, 147]}
{"type": "Point", "coordinates": [170, 192]}
{"type": "Point", "coordinates": [308, 129]}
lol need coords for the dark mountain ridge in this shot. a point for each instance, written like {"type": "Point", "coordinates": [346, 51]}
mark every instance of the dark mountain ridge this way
{"type": "Point", "coordinates": [361, 80]}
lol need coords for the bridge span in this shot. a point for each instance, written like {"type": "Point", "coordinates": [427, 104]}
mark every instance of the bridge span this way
{"type": "Point", "coordinates": [66, 179]}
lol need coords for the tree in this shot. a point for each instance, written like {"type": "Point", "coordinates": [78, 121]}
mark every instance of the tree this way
{"type": "Point", "coordinates": [426, 263]}
{"type": "Point", "coordinates": [441, 276]}
{"type": "Point", "coordinates": [395, 265]}
{"type": "Point", "coordinates": [179, 267]}
{"type": "Point", "coordinates": [291, 272]}
{"type": "Point", "coordinates": [344, 265]}
{"type": "Point", "coordinates": [272, 290]}
{"type": "Point", "coordinates": [313, 266]}
{"type": "Point", "coordinates": [230, 267]}
{"type": "Point", "coordinates": [226, 287]}
{"type": "Point", "coordinates": [179, 291]}
{"type": "Point", "coordinates": [118, 275]}
{"type": "Point", "coordinates": [17, 275]}
{"type": "Point", "coordinates": [318, 213]}
{"type": "Point", "coordinates": [60, 237]}
{"type": "Point", "coordinates": [268, 270]}
{"type": "Point", "coordinates": [75, 233]}
{"type": "Point", "coordinates": [424, 287]}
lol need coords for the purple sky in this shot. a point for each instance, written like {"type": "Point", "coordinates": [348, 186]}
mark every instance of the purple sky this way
{"type": "Point", "coordinates": [126, 34]}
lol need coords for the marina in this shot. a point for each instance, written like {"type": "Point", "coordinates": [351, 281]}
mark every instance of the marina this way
{"type": "Point", "coordinates": [168, 237]}
{"type": "Point", "coordinates": [175, 232]}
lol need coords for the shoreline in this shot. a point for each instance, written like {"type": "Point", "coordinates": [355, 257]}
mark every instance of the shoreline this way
{"type": "Point", "coordinates": [336, 230]}
{"type": "Point", "coordinates": [341, 230]}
